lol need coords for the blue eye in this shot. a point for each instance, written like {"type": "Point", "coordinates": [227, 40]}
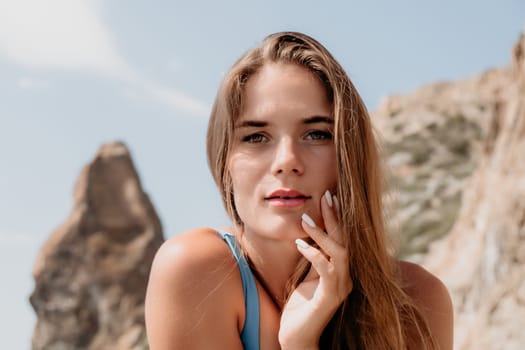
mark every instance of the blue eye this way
{"type": "Point", "coordinates": [319, 135]}
{"type": "Point", "coordinates": [254, 138]}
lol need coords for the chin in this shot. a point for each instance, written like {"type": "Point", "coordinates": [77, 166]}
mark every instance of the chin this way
{"type": "Point", "coordinates": [284, 228]}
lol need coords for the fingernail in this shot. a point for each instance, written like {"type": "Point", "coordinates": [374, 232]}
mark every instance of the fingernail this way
{"type": "Point", "coordinates": [328, 198]}
{"type": "Point", "coordinates": [308, 220]}
{"type": "Point", "coordinates": [336, 202]}
{"type": "Point", "coordinates": [301, 244]}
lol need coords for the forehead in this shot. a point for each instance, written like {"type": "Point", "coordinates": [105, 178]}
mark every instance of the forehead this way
{"type": "Point", "coordinates": [284, 88]}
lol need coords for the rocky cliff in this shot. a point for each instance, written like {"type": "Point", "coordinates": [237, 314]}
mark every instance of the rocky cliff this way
{"type": "Point", "coordinates": [482, 259]}
{"type": "Point", "coordinates": [456, 153]}
{"type": "Point", "coordinates": [434, 140]}
{"type": "Point", "coordinates": [91, 274]}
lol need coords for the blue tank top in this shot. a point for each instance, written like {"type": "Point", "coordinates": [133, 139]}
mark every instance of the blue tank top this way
{"type": "Point", "coordinates": [250, 331]}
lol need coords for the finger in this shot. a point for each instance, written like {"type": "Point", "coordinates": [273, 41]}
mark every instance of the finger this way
{"type": "Point", "coordinates": [319, 262]}
{"type": "Point", "coordinates": [331, 247]}
{"type": "Point", "coordinates": [328, 210]}
{"type": "Point", "coordinates": [337, 254]}
{"type": "Point", "coordinates": [336, 202]}
{"type": "Point", "coordinates": [337, 285]}
{"type": "Point", "coordinates": [338, 282]}
{"type": "Point", "coordinates": [312, 273]}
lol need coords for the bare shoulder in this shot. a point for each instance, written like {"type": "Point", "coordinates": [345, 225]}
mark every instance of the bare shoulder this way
{"type": "Point", "coordinates": [194, 251]}
{"type": "Point", "coordinates": [432, 297]}
{"type": "Point", "coordinates": [194, 281]}
{"type": "Point", "coordinates": [426, 289]}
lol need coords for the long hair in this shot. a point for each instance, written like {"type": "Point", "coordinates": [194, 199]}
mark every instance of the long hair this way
{"type": "Point", "coordinates": [378, 314]}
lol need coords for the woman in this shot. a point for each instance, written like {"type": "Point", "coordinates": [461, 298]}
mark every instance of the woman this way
{"type": "Point", "coordinates": [305, 264]}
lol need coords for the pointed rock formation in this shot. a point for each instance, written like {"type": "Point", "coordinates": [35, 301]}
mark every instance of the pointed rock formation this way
{"type": "Point", "coordinates": [91, 274]}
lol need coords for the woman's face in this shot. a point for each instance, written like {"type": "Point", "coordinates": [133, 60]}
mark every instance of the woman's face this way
{"type": "Point", "coordinates": [283, 157]}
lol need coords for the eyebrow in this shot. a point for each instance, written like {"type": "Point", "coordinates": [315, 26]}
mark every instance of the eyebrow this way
{"type": "Point", "coordinates": [311, 120]}
{"type": "Point", "coordinates": [252, 123]}
{"type": "Point", "coordinates": [318, 119]}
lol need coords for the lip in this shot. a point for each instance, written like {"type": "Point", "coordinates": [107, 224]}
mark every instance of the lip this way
{"type": "Point", "coordinates": [287, 198]}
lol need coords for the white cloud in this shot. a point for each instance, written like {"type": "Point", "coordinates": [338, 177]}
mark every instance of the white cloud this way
{"type": "Point", "coordinates": [70, 35]}
{"type": "Point", "coordinates": [58, 34]}
{"type": "Point", "coordinates": [174, 98]}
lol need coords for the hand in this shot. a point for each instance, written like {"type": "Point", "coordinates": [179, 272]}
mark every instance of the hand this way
{"type": "Point", "coordinates": [327, 284]}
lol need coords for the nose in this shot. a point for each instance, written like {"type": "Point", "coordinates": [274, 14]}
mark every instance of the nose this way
{"type": "Point", "coordinates": [287, 158]}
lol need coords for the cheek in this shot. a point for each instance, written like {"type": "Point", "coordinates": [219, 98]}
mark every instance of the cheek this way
{"type": "Point", "coordinates": [239, 172]}
{"type": "Point", "coordinates": [248, 168]}
{"type": "Point", "coordinates": [334, 174]}
{"type": "Point", "coordinates": [327, 166]}
{"type": "Point", "coordinates": [244, 175]}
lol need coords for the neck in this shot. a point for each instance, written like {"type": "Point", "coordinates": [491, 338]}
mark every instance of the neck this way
{"type": "Point", "coordinates": [274, 261]}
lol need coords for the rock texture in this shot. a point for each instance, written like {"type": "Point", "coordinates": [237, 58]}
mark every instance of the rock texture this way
{"type": "Point", "coordinates": [483, 258]}
{"type": "Point", "coordinates": [456, 152]}
{"type": "Point", "coordinates": [433, 140]}
{"type": "Point", "coordinates": [91, 274]}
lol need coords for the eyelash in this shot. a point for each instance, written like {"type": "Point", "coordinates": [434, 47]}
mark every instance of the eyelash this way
{"type": "Point", "coordinates": [320, 135]}
{"type": "Point", "coordinates": [253, 138]}
{"type": "Point", "coordinates": [314, 135]}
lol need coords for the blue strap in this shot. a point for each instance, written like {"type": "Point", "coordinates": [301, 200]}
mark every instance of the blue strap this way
{"type": "Point", "coordinates": [250, 331]}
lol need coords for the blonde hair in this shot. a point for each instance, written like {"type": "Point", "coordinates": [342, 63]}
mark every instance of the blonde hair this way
{"type": "Point", "coordinates": [377, 314]}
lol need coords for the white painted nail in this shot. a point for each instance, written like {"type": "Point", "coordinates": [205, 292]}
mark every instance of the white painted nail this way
{"type": "Point", "coordinates": [308, 220]}
{"type": "Point", "coordinates": [301, 244]}
{"type": "Point", "coordinates": [336, 202]}
{"type": "Point", "coordinates": [328, 198]}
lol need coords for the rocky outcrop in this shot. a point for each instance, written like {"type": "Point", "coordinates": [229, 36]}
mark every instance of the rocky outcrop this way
{"type": "Point", "coordinates": [433, 140]}
{"type": "Point", "coordinates": [456, 154]}
{"type": "Point", "coordinates": [482, 259]}
{"type": "Point", "coordinates": [91, 274]}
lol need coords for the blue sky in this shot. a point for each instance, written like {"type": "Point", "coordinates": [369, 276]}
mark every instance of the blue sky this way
{"type": "Point", "coordinates": [75, 74]}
